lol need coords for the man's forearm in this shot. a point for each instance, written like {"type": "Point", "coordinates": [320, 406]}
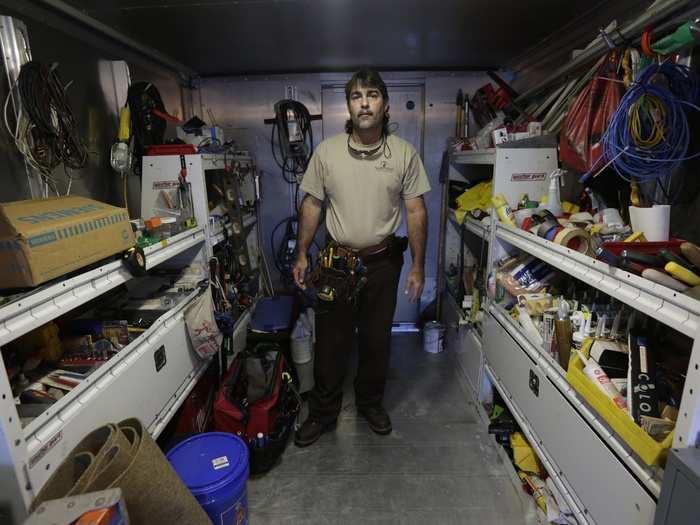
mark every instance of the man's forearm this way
{"type": "Point", "coordinates": [417, 220]}
{"type": "Point", "coordinates": [309, 216]}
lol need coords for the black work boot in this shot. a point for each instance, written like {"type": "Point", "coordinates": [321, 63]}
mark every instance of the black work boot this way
{"type": "Point", "coordinates": [310, 431]}
{"type": "Point", "coordinates": [377, 418]}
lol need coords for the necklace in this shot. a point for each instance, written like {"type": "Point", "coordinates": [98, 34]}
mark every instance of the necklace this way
{"type": "Point", "coordinates": [363, 154]}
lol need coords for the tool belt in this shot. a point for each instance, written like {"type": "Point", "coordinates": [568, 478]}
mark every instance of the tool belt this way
{"type": "Point", "coordinates": [340, 272]}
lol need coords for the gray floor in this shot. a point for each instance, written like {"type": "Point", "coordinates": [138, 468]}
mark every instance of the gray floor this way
{"type": "Point", "coordinates": [439, 466]}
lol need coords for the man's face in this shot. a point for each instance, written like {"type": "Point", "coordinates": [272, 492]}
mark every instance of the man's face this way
{"type": "Point", "coordinates": [367, 108]}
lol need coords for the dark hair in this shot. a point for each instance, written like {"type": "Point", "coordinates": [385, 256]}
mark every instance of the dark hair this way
{"type": "Point", "coordinates": [371, 79]}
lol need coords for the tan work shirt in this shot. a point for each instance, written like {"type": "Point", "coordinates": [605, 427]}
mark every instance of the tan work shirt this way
{"type": "Point", "coordinates": [364, 195]}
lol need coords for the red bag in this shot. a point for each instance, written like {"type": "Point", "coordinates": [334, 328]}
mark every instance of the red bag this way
{"type": "Point", "coordinates": [588, 118]}
{"type": "Point", "coordinates": [258, 397]}
{"type": "Point", "coordinates": [234, 409]}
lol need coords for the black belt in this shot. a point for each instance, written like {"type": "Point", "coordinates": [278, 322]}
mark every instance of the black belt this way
{"type": "Point", "coordinates": [391, 245]}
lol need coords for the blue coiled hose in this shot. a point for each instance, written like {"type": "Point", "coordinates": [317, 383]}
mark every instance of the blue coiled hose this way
{"type": "Point", "coordinates": [676, 88]}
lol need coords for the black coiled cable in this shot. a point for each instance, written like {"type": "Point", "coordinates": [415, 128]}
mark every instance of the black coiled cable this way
{"type": "Point", "coordinates": [54, 137]}
{"type": "Point", "coordinates": [292, 159]}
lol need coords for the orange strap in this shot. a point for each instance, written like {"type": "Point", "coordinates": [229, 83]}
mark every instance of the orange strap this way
{"type": "Point", "coordinates": [645, 43]}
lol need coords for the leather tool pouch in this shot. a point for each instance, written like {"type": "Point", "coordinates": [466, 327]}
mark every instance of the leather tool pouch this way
{"type": "Point", "coordinates": [331, 285]}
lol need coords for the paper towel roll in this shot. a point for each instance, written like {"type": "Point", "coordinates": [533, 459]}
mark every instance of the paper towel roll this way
{"type": "Point", "coordinates": [654, 221]}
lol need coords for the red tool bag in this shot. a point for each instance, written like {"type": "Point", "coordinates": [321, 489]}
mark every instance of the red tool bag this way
{"type": "Point", "coordinates": [588, 118]}
{"type": "Point", "coordinates": [259, 403]}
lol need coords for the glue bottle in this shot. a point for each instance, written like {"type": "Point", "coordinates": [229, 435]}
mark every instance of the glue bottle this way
{"type": "Point", "coordinates": [583, 331]}
{"type": "Point", "coordinates": [503, 209]}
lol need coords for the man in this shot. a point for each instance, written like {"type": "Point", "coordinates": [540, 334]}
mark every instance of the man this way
{"type": "Point", "coordinates": [363, 176]}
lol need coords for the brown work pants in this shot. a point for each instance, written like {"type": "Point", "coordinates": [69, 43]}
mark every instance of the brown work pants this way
{"type": "Point", "coordinates": [372, 315]}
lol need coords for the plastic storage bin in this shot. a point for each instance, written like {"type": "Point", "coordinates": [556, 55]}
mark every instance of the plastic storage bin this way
{"type": "Point", "coordinates": [652, 452]}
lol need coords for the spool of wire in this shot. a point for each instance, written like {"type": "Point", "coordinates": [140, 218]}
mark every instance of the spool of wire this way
{"type": "Point", "coordinates": [648, 136]}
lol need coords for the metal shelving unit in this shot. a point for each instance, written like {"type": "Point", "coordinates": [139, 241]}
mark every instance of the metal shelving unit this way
{"type": "Point", "coordinates": [476, 157]}
{"type": "Point", "coordinates": [29, 311]}
{"type": "Point", "coordinates": [478, 228]}
{"type": "Point", "coordinates": [557, 376]}
{"type": "Point", "coordinates": [672, 308]}
{"type": "Point", "coordinates": [568, 434]}
{"type": "Point", "coordinates": [561, 484]}
{"type": "Point", "coordinates": [216, 233]}
{"type": "Point", "coordinates": [515, 168]}
{"type": "Point", "coordinates": [113, 391]}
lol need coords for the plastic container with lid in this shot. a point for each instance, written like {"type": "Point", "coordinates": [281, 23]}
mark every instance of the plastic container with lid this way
{"type": "Point", "coordinates": [214, 466]}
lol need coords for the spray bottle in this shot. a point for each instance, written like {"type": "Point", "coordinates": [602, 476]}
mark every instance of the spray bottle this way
{"type": "Point", "coordinates": [553, 194]}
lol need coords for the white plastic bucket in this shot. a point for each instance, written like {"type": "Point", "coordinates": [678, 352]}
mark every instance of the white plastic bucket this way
{"type": "Point", "coordinates": [302, 349]}
{"type": "Point", "coordinates": [302, 340]}
{"type": "Point", "coordinates": [305, 375]}
{"type": "Point", "coordinates": [433, 338]}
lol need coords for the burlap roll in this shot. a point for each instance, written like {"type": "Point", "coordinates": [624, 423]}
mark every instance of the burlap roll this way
{"type": "Point", "coordinates": [74, 474]}
{"type": "Point", "coordinates": [126, 456]}
{"type": "Point", "coordinates": [152, 489]}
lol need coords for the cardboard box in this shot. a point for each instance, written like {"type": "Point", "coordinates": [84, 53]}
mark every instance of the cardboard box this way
{"type": "Point", "coordinates": [45, 238]}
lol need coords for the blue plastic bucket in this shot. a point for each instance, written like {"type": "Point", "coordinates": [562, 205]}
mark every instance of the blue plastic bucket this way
{"type": "Point", "coordinates": [214, 466]}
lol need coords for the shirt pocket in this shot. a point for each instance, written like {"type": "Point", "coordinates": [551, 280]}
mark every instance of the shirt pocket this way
{"type": "Point", "coordinates": [388, 177]}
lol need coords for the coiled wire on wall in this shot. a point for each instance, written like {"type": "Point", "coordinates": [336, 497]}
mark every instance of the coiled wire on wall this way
{"type": "Point", "coordinates": [46, 132]}
{"type": "Point", "coordinates": [292, 156]}
{"type": "Point", "coordinates": [648, 136]}
{"type": "Point", "coordinates": [283, 255]}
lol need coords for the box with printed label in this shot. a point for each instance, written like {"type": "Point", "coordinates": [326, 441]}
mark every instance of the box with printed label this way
{"type": "Point", "coordinates": [43, 239]}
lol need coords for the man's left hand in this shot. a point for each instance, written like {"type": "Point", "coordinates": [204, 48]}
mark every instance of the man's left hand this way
{"type": "Point", "coordinates": [414, 284]}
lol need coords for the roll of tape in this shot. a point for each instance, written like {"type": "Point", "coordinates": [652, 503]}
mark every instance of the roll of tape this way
{"type": "Point", "coordinates": [546, 227]}
{"type": "Point", "coordinates": [574, 238]}
{"type": "Point", "coordinates": [543, 216]}
{"type": "Point", "coordinates": [551, 234]}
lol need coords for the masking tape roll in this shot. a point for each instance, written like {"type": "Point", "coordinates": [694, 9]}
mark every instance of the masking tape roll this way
{"type": "Point", "coordinates": [574, 238]}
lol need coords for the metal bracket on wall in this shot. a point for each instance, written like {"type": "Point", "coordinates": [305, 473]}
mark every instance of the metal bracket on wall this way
{"type": "Point", "coordinates": [290, 92]}
{"type": "Point", "coordinates": [14, 41]}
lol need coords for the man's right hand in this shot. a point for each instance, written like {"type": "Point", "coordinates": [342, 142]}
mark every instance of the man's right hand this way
{"type": "Point", "coordinates": [299, 270]}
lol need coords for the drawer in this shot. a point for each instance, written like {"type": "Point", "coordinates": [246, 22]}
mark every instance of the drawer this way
{"type": "Point", "coordinates": [608, 491]}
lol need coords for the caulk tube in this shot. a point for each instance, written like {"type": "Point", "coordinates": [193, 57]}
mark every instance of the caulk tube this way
{"type": "Point", "coordinates": [602, 381]}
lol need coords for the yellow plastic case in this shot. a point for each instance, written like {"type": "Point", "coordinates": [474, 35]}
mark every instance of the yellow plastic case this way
{"type": "Point", "coordinates": [652, 452]}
